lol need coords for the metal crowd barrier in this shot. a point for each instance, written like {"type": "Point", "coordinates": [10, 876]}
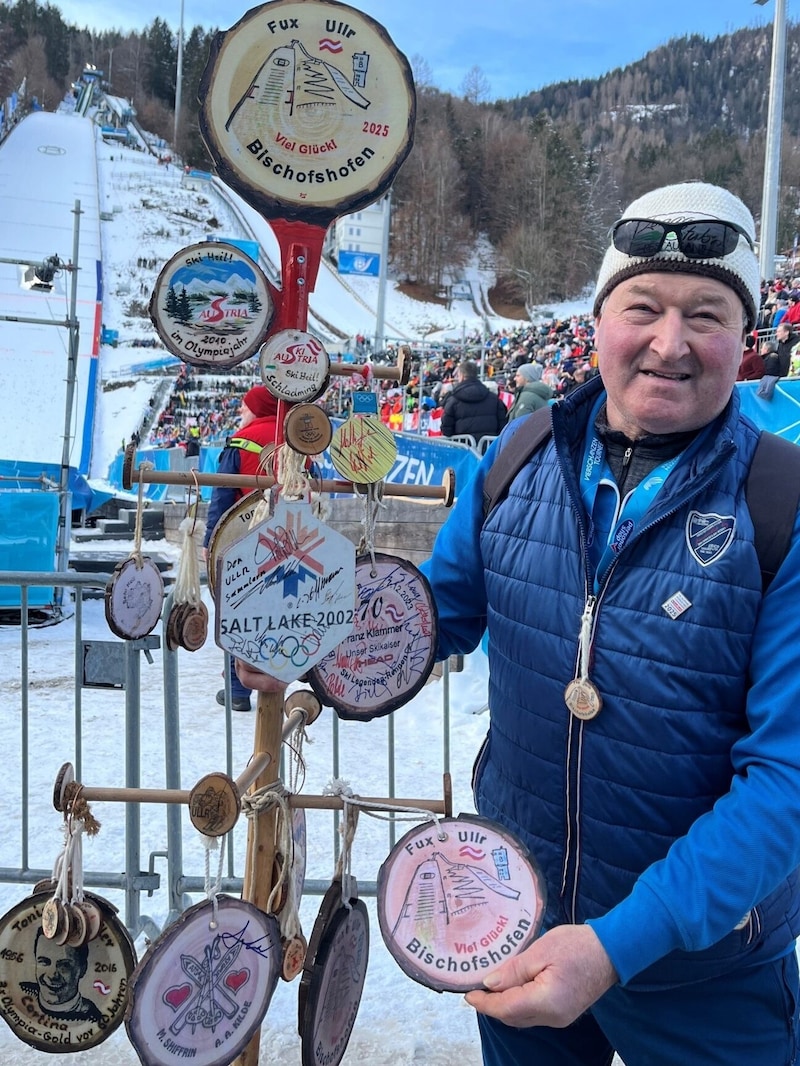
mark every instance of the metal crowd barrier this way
{"type": "Point", "coordinates": [116, 664]}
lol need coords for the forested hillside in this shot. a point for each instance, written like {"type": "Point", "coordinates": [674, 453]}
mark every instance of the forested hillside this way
{"type": "Point", "coordinates": [542, 176]}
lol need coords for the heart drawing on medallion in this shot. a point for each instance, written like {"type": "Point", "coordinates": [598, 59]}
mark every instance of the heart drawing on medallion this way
{"type": "Point", "coordinates": [177, 994]}
{"type": "Point", "coordinates": [236, 979]}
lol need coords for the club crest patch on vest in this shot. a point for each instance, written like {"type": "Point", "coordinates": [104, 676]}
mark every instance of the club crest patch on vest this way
{"type": "Point", "coordinates": [709, 536]}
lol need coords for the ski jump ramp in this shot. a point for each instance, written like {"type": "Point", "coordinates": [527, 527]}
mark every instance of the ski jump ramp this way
{"type": "Point", "coordinates": [48, 163]}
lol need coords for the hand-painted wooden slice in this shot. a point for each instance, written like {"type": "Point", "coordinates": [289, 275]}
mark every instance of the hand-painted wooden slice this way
{"type": "Point", "coordinates": [62, 998]}
{"type": "Point", "coordinates": [212, 305]}
{"type": "Point", "coordinates": [294, 956]}
{"type": "Point", "coordinates": [307, 429]}
{"type": "Point", "coordinates": [203, 989]}
{"type": "Point", "coordinates": [363, 449]}
{"type": "Point", "coordinates": [285, 592]}
{"type": "Point", "coordinates": [214, 805]}
{"type": "Point", "coordinates": [388, 656]}
{"type": "Point", "coordinates": [294, 366]}
{"type": "Point", "coordinates": [232, 526]}
{"type": "Point", "coordinates": [308, 109]}
{"type": "Point", "coordinates": [457, 899]}
{"type": "Point", "coordinates": [335, 985]}
{"type": "Point", "coordinates": [134, 598]}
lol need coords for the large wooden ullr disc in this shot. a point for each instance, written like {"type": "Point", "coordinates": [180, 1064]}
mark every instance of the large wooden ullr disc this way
{"type": "Point", "coordinates": [308, 109]}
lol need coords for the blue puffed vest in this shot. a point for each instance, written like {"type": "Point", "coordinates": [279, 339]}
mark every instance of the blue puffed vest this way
{"type": "Point", "coordinates": [626, 784]}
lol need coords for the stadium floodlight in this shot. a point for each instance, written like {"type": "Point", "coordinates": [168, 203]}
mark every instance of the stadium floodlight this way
{"type": "Point", "coordinates": [47, 270]}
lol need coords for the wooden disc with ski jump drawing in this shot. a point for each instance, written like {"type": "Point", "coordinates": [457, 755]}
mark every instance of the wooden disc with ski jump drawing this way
{"type": "Point", "coordinates": [388, 656]}
{"type": "Point", "coordinates": [308, 109]}
{"type": "Point", "coordinates": [203, 989]}
{"type": "Point", "coordinates": [212, 305]}
{"type": "Point", "coordinates": [134, 598]}
{"type": "Point", "coordinates": [456, 899]}
{"type": "Point", "coordinates": [63, 997]}
{"type": "Point", "coordinates": [333, 978]}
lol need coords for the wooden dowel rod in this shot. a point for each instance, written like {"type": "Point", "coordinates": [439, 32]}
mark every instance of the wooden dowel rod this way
{"type": "Point", "coordinates": [135, 795]}
{"type": "Point", "coordinates": [257, 765]}
{"type": "Point", "coordinates": [265, 481]}
{"type": "Point", "coordinates": [336, 803]}
{"type": "Point", "coordinates": [297, 717]}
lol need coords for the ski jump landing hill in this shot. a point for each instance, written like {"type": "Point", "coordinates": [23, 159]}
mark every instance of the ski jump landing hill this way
{"type": "Point", "coordinates": [47, 163]}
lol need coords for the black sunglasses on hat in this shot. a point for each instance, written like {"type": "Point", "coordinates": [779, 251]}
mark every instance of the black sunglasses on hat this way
{"type": "Point", "coordinates": [697, 239]}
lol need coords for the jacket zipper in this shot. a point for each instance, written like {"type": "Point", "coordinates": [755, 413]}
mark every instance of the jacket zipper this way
{"type": "Point", "coordinates": [574, 755]}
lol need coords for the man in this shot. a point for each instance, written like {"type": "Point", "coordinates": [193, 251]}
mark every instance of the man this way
{"type": "Point", "coordinates": [59, 969]}
{"type": "Point", "coordinates": [785, 340]}
{"type": "Point", "coordinates": [258, 429]}
{"type": "Point", "coordinates": [530, 392]}
{"type": "Point", "coordinates": [771, 372]}
{"type": "Point", "coordinates": [752, 365]}
{"type": "Point", "coordinates": [471, 408]}
{"type": "Point", "coordinates": [644, 739]}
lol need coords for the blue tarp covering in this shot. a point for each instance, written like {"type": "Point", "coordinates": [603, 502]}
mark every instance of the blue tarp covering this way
{"type": "Point", "coordinates": [84, 497]}
{"type": "Point", "coordinates": [28, 532]}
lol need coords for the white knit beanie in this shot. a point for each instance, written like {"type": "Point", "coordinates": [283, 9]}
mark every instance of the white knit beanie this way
{"type": "Point", "coordinates": [683, 203]}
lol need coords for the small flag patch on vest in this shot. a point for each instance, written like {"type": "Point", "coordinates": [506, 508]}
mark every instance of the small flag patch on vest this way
{"type": "Point", "coordinates": [676, 605]}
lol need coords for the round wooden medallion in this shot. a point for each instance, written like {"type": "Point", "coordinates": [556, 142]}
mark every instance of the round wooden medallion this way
{"type": "Point", "coordinates": [294, 366]}
{"type": "Point", "coordinates": [233, 525]}
{"type": "Point", "coordinates": [363, 449]}
{"type": "Point", "coordinates": [62, 998]}
{"type": "Point", "coordinates": [214, 805]}
{"type": "Point", "coordinates": [172, 628]}
{"type": "Point", "coordinates": [335, 985]}
{"type": "Point", "coordinates": [78, 926]}
{"type": "Point", "coordinates": [134, 598]}
{"type": "Point", "coordinates": [390, 652]}
{"type": "Point", "coordinates": [308, 109]}
{"type": "Point", "coordinates": [294, 956]}
{"type": "Point", "coordinates": [64, 777]}
{"type": "Point", "coordinates": [331, 901]}
{"type": "Point", "coordinates": [454, 901]}
{"type": "Point", "coordinates": [307, 429]}
{"type": "Point", "coordinates": [203, 989]}
{"type": "Point", "coordinates": [194, 626]}
{"type": "Point", "coordinates": [212, 305]}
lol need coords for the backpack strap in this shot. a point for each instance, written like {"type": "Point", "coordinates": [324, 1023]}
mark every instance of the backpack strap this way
{"type": "Point", "coordinates": [534, 431]}
{"type": "Point", "coordinates": [773, 494]}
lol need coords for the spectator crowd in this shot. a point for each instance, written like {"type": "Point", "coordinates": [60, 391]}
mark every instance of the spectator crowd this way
{"type": "Point", "coordinates": [522, 367]}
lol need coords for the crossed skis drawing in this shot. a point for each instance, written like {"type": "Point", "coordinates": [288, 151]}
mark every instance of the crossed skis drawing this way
{"type": "Point", "coordinates": [208, 979]}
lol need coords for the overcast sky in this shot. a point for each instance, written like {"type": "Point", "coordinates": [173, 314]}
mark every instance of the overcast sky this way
{"type": "Point", "coordinates": [519, 45]}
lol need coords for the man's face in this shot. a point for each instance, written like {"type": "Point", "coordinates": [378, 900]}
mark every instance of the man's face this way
{"type": "Point", "coordinates": [669, 348]}
{"type": "Point", "coordinates": [782, 332]}
{"type": "Point", "coordinates": [58, 971]}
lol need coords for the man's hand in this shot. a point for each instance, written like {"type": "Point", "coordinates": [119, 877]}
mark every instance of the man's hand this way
{"type": "Point", "coordinates": [257, 679]}
{"type": "Point", "coordinates": [550, 983]}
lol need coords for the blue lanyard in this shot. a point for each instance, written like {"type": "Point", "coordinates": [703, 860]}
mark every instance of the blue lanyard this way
{"type": "Point", "coordinates": [618, 523]}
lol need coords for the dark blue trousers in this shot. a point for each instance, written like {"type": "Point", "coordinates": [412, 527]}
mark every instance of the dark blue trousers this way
{"type": "Point", "coordinates": [745, 1018]}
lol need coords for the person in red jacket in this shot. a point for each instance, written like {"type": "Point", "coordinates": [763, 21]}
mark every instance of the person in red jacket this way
{"type": "Point", "coordinates": [258, 429]}
{"type": "Point", "coordinates": [752, 365]}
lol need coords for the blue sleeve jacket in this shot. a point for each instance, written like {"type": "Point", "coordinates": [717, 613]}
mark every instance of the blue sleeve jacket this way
{"type": "Point", "coordinates": [671, 821]}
